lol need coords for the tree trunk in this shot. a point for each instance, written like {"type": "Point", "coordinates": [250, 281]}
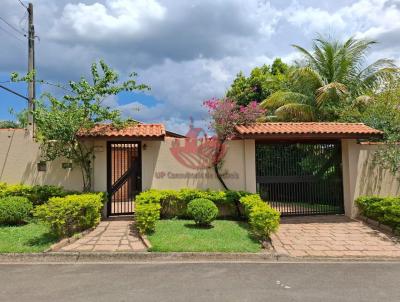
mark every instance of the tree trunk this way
{"type": "Point", "coordinates": [84, 161]}
{"type": "Point", "coordinates": [87, 178]}
{"type": "Point", "coordinates": [221, 180]}
{"type": "Point", "coordinates": [217, 163]}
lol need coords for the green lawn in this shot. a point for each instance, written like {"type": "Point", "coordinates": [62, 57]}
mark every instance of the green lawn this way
{"type": "Point", "coordinates": [185, 236]}
{"type": "Point", "coordinates": [30, 238]}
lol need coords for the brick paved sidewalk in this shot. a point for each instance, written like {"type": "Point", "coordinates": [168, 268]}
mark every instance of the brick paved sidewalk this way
{"type": "Point", "coordinates": [334, 236]}
{"type": "Point", "coordinates": [109, 236]}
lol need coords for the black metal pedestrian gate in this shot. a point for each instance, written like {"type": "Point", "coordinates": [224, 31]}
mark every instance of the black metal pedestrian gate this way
{"type": "Point", "coordinates": [124, 176]}
{"type": "Point", "coordinates": [301, 178]}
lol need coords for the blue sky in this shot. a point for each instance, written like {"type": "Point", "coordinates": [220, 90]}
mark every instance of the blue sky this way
{"type": "Point", "coordinates": [187, 51]}
{"type": "Point", "coordinates": [10, 103]}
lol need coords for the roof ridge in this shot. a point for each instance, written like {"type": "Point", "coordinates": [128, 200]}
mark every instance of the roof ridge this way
{"type": "Point", "coordinates": [316, 123]}
{"type": "Point", "coordinates": [133, 130]}
{"type": "Point", "coordinates": [303, 128]}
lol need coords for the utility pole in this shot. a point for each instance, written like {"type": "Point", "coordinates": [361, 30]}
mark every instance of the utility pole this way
{"type": "Point", "coordinates": [31, 69]}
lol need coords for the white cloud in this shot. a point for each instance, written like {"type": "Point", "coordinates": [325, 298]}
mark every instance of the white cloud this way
{"type": "Point", "coordinates": [114, 18]}
{"type": "Point", "coordinates": [362, 18]}
{"type": "Point", "coordinates": [314, 20]}
{"type": "Point", "coordinates": [183, 86]}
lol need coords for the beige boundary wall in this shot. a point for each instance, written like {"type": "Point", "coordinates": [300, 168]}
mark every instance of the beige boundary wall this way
{"type": "Point", "coordinates": [362, 177]}
{"type": "Point", "coordinates": [162, 170]}
{"type": "Point", "coordinates": [19, 156]}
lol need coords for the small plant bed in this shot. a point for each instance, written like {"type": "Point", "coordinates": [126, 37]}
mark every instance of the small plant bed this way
{"type": "Point", "coordinates": [186, 236]}
{"type": "Point", "coordinates": [385, 210]}
{"type": "Point", "coordinates": [33, 218]}
{"type": "Point", "coordinates": [32, 237]}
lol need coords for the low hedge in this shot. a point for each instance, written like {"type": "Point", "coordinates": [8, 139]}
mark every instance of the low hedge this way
{"type": "Point", "coordinates": [153, 204]}
{"type": "Point", "coordinates": [72, 213]}
{"type": "Point", "coordinates": [14, 210]}
{"type": "Point", "coordinates": [36, 194]}
{"type": "Point", "coordinates": [385, 210]}
{"type": "Point", "coordinates": [174, 202]}
{"type": "Point", "coordinates": [146, 216]}
{"type": "Point", "coordinates": [263, 219]}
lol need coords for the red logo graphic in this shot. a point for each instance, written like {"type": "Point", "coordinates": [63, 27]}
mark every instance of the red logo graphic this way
{"type": "Point", "coordinates": [198, 151]}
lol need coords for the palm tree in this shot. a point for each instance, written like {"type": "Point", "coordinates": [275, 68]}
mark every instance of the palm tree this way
{"type": "Point", "coordinates": [334, 74]}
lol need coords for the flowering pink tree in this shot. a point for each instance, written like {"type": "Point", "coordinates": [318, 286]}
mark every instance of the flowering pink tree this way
{"type": "Point", "coordinates": [225, 115]}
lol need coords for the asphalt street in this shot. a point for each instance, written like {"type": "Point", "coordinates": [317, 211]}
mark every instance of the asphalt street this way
{"type": "Point", "coordinates": [201, 282]}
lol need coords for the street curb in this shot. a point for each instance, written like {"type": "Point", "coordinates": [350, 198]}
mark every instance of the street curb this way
{"type": "Point", "coordinates": [72, 257]}
{"type": "Point", "coordinates": [147, 257]}
{"type": "Point", "coordinates": [286, 258]}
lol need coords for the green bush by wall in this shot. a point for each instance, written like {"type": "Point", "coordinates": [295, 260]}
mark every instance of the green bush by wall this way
{"type": "Point", "coordinates": [36, 194]}
{"type": "Point", "coordinates": [263, 219]}
{"type": "Point", "coordinates": [14, 210]}
{"type": "Point", "coordinates": [385, 210]}
{"type": "Point", "coordinates": [72, 213]}
{"type": "Point", "coordinates": [146, 216]}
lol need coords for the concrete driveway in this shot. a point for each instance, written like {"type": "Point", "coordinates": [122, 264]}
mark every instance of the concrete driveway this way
{"type": "Point", "coordinates": [333, 236]}
{"type": "Point", "coordinates": [309, 282]}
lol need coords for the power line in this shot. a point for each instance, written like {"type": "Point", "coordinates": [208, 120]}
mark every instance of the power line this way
{"type": "Point", "coordinates": [20, 2]}
{"type": "Point", "coordinates": [11, 34]}
{"type": "Point", "coordinates": [24, 18]}
{"type": "Point", "coordinates": [14, 92]}
{"type": "Point", "coordinates": [12, 27]}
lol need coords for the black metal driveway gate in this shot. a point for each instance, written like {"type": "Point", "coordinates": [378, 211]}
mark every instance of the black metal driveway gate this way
{"type": "Point", "coordinates": [301, 178]}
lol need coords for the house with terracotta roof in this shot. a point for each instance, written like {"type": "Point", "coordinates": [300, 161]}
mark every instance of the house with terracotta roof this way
{"type": "Point", "coordinates": [300, 168]}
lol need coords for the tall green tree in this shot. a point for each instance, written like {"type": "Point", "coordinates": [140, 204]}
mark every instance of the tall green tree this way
{"type": "Point", "coordinates": [382, 111]}
{"type": "Point", "coordinates": [262, 82]}
{"type": "Point", "coordinates": [332, 76]}
{"type": "Point", "coordinates": [59, 121]}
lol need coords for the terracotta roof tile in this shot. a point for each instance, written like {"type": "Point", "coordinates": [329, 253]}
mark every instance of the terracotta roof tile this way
{"type": "Point", "coordinates": [138, 130]}
{"type": "Point", "coordinates": [308, 128]}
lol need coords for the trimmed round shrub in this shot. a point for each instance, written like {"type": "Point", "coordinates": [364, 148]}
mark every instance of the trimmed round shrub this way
{"type": "Point", "coordinates": [14, 210]}
{"type": "Point", "coordinates": [203, 211]}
